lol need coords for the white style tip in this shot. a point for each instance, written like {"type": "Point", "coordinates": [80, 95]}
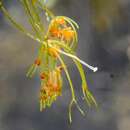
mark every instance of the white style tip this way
{"type": "Point", "coordinates": [95, 69]}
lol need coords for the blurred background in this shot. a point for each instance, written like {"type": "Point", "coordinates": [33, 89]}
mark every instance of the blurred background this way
{"type": "Point", "coordinates": [104, 41]}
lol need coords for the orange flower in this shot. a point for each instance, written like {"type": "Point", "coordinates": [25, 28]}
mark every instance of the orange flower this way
{"type": "Point", "coordinates": [54, 32]}
{"type": "Point", "coordinates": [48, 94]}
{"type": "Point", "coordinates": [67, 34]}
{"type": "Point", "coordinates": [51, 88]}
{"type": "Point", "coordinates": [37, 62]}
{"type": "Point", "coordinates": [43, 75]}
{"type": "Point", "coordinates": [43, 98]}
{"type": "Point", "coordinates": [56, 88]}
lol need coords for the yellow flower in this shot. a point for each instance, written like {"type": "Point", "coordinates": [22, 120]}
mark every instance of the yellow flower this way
{"type": "Point", "coordinates": [55, 32]}
{"type": "Point", "coordinates": [37, 62]}
{"type": "Point", "coordinates": [68, 34]}
{"type": "Point", "coordinates": [61, 30]}
{"type": "Point", "coordinates": [51, 88]}
{"type": "Point", "coordinates": [60, 40]}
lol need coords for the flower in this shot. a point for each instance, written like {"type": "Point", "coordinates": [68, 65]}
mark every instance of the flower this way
{"type": "Point", "coordinates": [67, 34]}
{"type": "Point", "coordinates": [37, 62]}
{"type": "Point", "coordinates": [60, 40]}
{"type": "Point", "coordinates": [51, 88]}
{"type": "Point", "coordinates": [59, 29]}
{"type": "Point", "coordinates": [55, 32]}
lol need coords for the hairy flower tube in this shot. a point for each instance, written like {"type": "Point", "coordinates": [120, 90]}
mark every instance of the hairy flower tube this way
{"type": "Point", "coordinates": [58, 41]}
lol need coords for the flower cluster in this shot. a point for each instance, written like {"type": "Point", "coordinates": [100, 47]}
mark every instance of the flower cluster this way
{"type": "Point", "coordinates": [58, 41]}
{"type": "Point", "coordinates": [60, 30]}
{"type": "Point", "coordinates": [51, 87]}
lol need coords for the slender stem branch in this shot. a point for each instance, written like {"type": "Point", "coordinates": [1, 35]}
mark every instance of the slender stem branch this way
{"type": "Point", "coordinates": [68, 76]}
{"type": "Point", "coordinates": [72, 91]}
{"type": "Point", "coordinates": [31, 17]}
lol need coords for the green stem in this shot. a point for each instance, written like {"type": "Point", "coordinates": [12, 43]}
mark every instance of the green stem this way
{"type": "Point", "coordinates": [87, 95]}
{"type": "Point", "coordinates": [40, 23]}
{"type": "Point", "coordinates": [31, 17]}
{"type": "Point", "coordinates": [68, 76]}
{"type": "Point", "coordinates": [72, 91]}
